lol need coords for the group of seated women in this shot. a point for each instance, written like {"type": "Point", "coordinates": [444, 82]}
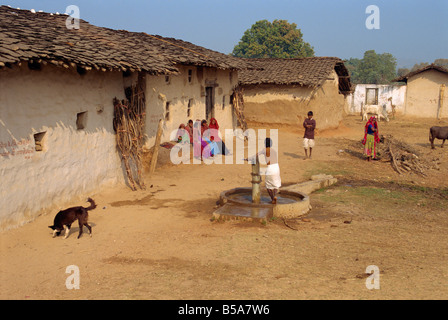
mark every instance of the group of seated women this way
{"type": "Point", "coordinates": [202, 136]}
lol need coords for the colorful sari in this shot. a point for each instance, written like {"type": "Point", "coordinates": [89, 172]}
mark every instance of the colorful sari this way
{"type": "Point", "coordinates": [182, 134]}
{"type": "Point", "coordinates": [199, 144]}
{"type": "Point", "coordinates": [214, 134]}
{"type": "Point", "coordinates": [370, 139]}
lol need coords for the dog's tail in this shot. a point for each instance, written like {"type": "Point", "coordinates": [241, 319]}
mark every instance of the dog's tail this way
{"type": "Point", "coordinates": [92, 204]}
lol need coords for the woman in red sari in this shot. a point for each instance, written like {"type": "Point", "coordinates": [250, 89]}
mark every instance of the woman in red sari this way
{"type": "Point", "coordinates": [214, 132]}
{"type": "Point", "coordinates": [371, 138]}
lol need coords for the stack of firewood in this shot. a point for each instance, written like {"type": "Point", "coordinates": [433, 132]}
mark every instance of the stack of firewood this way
{"type": "Point", "coordinates": [238, 107]}
{"type": "Point", "coordinates": [129, 121]}
{"type": "Point", "coordinates": [403, 157]}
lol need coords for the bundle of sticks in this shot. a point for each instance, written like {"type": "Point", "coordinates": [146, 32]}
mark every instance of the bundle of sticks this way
{"type": "Point", "coordinates": [129, 122]}
{"type": "Point", "coordinates": [238, 107]}
{"type": "Point", "coordinates": [403, 157]}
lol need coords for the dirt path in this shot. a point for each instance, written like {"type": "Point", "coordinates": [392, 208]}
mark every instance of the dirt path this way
{"type": "Point", "coordinates": [160, 243]}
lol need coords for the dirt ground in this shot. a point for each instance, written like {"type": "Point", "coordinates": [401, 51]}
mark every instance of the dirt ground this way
{"type": "Point", "coordinates": [160, 243]}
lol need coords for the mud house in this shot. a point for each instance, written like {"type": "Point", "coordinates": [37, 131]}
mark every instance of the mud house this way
{"type": "Point", "coordinates": [57, 86]}
{"type": "Point", "coordinates": [282, 91]}
{"type": "Point", "coordinates": [426, 94]}
{"type": "Point", "coordinates": [391, 97]}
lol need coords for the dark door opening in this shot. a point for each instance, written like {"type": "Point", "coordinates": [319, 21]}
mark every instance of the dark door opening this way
{"type": "Point", "coordinates": [209, 103]}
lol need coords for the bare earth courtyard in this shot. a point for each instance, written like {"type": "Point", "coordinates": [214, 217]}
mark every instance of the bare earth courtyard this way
{"type": "Point", "coordinates": [159, 243]}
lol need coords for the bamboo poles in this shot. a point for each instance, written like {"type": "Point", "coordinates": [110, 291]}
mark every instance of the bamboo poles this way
{"type": "Point", "coordinates": [441, 96]}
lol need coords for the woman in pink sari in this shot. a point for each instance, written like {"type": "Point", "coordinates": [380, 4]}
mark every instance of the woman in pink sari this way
{"type": "Point", "coordinates": [197, 139]}
{"type": "Point", "coordinates": [198, 143]}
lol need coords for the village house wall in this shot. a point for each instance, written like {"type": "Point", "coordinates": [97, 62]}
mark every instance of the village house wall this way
{"type": "Point", "coordinates": [396, 92]}
{"type": "Point", "coordinates": [73, 162]}
{"type": "Point", "coordinates": [179, 92]}
{"type": "Point", "coordinates": [289, 104]}
{"type": "Point", "coordinates": [423, 94]}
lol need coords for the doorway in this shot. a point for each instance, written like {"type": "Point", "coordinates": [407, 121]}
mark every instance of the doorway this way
{"type": "Point", "coordinates": [372, 96]}
{"type": "Point", "coordinates": [209, 103]}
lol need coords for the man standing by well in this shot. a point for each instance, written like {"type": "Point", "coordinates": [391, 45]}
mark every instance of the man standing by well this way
{"type": "Point", "coordinates": [308, 139]}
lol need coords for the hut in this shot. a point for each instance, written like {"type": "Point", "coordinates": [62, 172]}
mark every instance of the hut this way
{"type": "Point", "coordinates": [282, 91]}
{"type": "Point", "coordinates": [426, 93]}
{"type": "Point", "coordinates": [58, 138]}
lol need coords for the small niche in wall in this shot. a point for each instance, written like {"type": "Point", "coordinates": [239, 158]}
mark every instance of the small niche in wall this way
{"type": "Point", "coordinates": [81, 120]}
{"type": "Point", "coordinates": [167, 111]}
{"type": "Point", "coordinates": [190, 105]}
{"type": "Point", "coordinates": [39, 140]}
{"type": "Point", "coordinates": [190, 76]}
{"type": "Point", "coordinates": [167, 79]}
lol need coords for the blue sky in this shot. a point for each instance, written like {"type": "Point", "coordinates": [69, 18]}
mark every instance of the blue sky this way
{"type": "Point", "coordinates": [411, 30]}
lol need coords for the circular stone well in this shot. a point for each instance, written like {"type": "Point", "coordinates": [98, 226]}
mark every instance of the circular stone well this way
{"type": "Point", "coordinates": [290, 204]}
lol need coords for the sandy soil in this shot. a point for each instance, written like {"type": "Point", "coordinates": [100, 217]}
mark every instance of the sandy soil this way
{"type": "Point", "coordinates": [159, 243]}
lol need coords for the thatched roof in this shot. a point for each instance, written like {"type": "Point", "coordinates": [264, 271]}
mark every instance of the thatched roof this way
{"type": "Point", "coordinates": [39, 36]}
{"type": "Point", "coordinates": [413, 73]}
{"type": "Point", "coordinates": [311, 72]}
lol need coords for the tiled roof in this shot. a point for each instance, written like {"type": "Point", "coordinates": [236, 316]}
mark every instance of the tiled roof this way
{"type": "Point", "coordinates": [413, 73]}
{"type": "Point", "coordinates": [312, 71]}
{"type": "Point", "coordinates": [35, 36]}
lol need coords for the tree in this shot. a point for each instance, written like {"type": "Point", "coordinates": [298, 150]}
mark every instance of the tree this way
{"type": "Point", "coordinates": [419, 66]}
{"type": "Point", "coordinates": [373, 68]}
{"type": "Point", "coordinates": [352, 65]}
{"type": "Point", "coordinates": [441, 62]}
{"type": "Point", "coordinates": [402, 71]}
{"type": "Point", "coordinates": [387, 66]}
{"type": "Point", "coordinates": [279, 39]}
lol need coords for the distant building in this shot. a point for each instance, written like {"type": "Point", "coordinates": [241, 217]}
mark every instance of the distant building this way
{"type": "Point", "coordinates": [426, 94]}
{"type": "Point", "coordinates": [390, 97]}
{"type": "Point", "coordinates": [282, 91]}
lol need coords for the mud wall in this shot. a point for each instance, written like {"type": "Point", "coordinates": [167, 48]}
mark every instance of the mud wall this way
{"type": "Point", "coordinates": [287, 104]}
{"type": "Point", "coordinates": [187, 90]}
{"type": "Point", "coordinates": [47, 161]}
{"type": "Point", "coordinates": [423, 94]}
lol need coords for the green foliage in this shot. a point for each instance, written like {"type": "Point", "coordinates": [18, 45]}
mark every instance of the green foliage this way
{"type": "Point", "coordinates": [279, 39]}
{"type": "Point", "coordinates": [373, 68]}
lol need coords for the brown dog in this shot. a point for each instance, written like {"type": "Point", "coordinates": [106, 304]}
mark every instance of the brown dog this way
{"type": "Point", "coordinates": [65, 218]}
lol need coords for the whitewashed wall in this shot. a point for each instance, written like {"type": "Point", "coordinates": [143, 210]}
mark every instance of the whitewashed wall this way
{"type": "Point", "coordinates": [73, 163]}
{"type": "Point", "coordinates": [398, 94]}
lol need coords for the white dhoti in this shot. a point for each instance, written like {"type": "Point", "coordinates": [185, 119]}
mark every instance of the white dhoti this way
{"type": "Point", "coordinates": [273, 180]}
